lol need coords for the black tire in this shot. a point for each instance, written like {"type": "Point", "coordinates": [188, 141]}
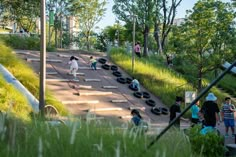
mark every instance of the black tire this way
{"type": "Point", "coordinates": [150, 102]}
{"type": "Point", "coordinates": [128, 80]}
{"type": "Point", "coordinates": [121, 80]}
{"type": "Point", "coordinates": [146, 95]}
{"type": "Point", "coordinates": [133, 89]}
{"type": "Point", "coordinates": [156, 111]}
{"type": "Point", "coordinates": [164, 110]}
{"type": "Point", "coordinates": [138, 94]}
{"type": "Point", "coordinates": [117, 73]}
{"type": "Point", "coordinates": [102, 60]}
{"type": "Point", "coordinates": [106, 66]}
{"type": "Point", "coordinates": [114, 68]}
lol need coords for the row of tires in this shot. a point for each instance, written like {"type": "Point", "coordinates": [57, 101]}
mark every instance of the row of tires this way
{"type": "Point", "coordinates": [155, 110]}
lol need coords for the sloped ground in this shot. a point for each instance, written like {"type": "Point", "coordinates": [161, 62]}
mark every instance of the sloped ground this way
{"type": "Point", "coordinates": [64, 91]}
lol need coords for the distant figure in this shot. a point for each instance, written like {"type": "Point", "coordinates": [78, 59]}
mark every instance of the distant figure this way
{"type": "Point", "coordinates": [227, 113]}
{"type": "Point", "coordinates": [136, 119]}
{"type": "Point", "coordinates": [195, 111]}
{"type": "Point", "coordinates": [169, 60]}
{"type": "Point", "coordinates": [175, 111]}
{"type": "Point", "coordinates": [73, 66]}
{"type": "Point", "coordinates": [137, 49]}
{"type": "Point", "coordinates": [93, 63]}
{"type": "Point", "coordinates": [210, 111]}
{"type": "Point", "coordinates": [135, 84]}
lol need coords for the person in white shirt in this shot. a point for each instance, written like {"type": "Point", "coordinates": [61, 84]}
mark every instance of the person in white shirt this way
{"type": "Point", "coordinates": [73, 66]}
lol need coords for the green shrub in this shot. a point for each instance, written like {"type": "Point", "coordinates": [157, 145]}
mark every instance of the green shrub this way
{"type": "Point", "coordinates": [207, 145]}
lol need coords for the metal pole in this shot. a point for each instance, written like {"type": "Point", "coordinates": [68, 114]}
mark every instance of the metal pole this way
{"type": "Point", "coordinates": [203, 92]}
{"type": "Point", "coordinates": [42, 58]}
{"type": "Point", "coordinates": [134, 21]}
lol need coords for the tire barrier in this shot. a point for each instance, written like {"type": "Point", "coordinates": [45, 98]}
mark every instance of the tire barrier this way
{"type": "Point", "coordinates": [121, 80]}
{"type": "Point", "coordinates": [164, 110]}
{"type": "Point", "coordinates": [156, 111]}
{"type": "Point", "coordinates": [117, 73]}
{"type": "Point", "coordinates": [132, 88]}
{"type": "Point", "coordinates": [146, 95]}
{"type": "Point", "coordinates": [138, 94]}
{"type": "Point", "coordinates": [150, 102]}
{"type": "Point", "coordinates": [106, 66]}
{"type": "Point", "coordinates": [114, 68]}
{"type": "Point", "coordinates": [102, 60]}
{"type": "Point", "coordinates": [128, 80]}
{"type": "Point", "coordinates": [50, 110]}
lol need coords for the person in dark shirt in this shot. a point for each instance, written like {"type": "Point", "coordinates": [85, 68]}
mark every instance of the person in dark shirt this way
{"type": "Point", "coordinates": [175, 111]}
{"type": "Point", "coordinates": [210, 111]}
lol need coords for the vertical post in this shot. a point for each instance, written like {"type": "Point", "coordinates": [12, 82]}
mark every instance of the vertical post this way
{"type": "Point", "coordinates": [42, 58]}
{"type": "Point", "coordinates": [134, 21]}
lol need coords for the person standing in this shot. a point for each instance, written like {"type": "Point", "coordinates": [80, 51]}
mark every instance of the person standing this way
{"type": "Point", "coordinates": [73, 66]}
{"type": "Point", "coordinates": [210, 111]}
{"type": "Point", "coordinates": [227, 113]}
{"type": "Point", "coordinates": [137, 49]}
{"type": "Point", "coordinates": [195, 111]}
{"type": "Point", "coordinates": [135, 84]}
{"type": "Point", "coordinates": [93, 63]}
{"type": "Point", "coordinates": [175, 111]}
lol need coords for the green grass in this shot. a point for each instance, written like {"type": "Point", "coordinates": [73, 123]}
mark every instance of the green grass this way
{"type": "Point", "coordinates": [161, 81]}
{"type": "Point", "coordinates": [26, 76]}
{"type": "Point", "coordinates": [93, 139]}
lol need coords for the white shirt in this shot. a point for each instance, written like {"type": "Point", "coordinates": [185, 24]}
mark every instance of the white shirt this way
{"type": "Point", "coordinates": [73, 64]}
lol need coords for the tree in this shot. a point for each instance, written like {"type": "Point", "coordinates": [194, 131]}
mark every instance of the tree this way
{"type": "Point", "coordinates": [165, 13]}
{"type": "Point", "coordinates": [23, 12]}
{"type": "Point", "coordinates": [143, 9]}
{"type": "Point", "coordinates": [204, 37]}
{"type": "Point", "coordinates": [88, 13]}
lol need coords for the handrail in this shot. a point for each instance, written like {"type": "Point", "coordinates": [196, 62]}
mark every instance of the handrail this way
{"type": "Point", "coordinates": [203, 92]}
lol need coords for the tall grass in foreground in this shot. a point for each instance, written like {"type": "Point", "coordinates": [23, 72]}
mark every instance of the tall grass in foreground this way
{"type": "Point", "coordinates": [26, 76]}
{"type": "Point", "coordinates": [160, 80]}
{"type": "Point", "coordinates": [92, 139]}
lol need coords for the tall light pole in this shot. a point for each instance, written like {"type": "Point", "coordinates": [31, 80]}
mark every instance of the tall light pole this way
{"type": "Point", "coordinates": [42, 58]}
{"type": "Point", "coordinates": [134, 21]}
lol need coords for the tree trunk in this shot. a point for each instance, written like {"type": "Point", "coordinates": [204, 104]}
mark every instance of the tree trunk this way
{"type": "Point", "coordinates": [55, 27]}
{"type": "Point", "coordinates": [87, 40]}
{"type": "Point", "coordinates": [157, 38]}
{"type": "Point", "coordinates": [199, 86]}
{"type": "Point", "coordinates": [145, 49]}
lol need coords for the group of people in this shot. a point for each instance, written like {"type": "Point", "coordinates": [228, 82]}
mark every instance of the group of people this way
{"type": "Point", "coordinates": [74, 65]}
{"type": "Point", "coordinates": [209, 114]}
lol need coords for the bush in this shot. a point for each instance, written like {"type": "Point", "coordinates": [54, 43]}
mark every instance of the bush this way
{"type": "Point", "coordinates": [207, 145]}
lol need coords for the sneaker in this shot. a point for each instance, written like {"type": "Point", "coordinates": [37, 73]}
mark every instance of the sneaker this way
{"type": "Point", "coordinates": [75, 79]}
{"type": "Point", "coordinates": [226, 135]}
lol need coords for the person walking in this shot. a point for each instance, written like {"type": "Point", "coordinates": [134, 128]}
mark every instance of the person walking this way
{"type": "Point", "coordinates": [137, 49]}
{"type": "Point", "coordinates": [175, 110]}
{"type": "Point", "coordinates": [195, 111]}
{"type": "Point", "coordinates": [227, 113]}
{"type": "Point", "coordinates": [210, 111]}
{"type": "Point", "coordinates": [73, 66]}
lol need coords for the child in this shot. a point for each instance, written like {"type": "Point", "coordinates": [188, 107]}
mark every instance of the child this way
{"type": "Point", "coordinates": [136, 119]}
{"type": "Point", "coordinates": [135, 84]}
{"type": "Point", "coordinates": [195, 111]}
{"type": "Point", "coordinates": [137, 49]}
{"type": "Point", "coordinates": [227, 113]}
{"type": "Point", "coordinates": [73, 66]}
{"type": "Point", "coordinates": [93, 63]}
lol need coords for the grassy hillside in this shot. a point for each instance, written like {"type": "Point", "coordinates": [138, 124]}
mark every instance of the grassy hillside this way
{"type": "Point", "coordinates": [26, 76]}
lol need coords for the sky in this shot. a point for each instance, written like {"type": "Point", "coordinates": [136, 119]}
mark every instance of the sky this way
{"type": "Point", "coordinates": [109, 18]}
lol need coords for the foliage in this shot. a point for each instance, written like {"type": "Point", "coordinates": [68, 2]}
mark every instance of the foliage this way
{"type": "Point", "coordinates": [163, 82]}
{"type": "Point", "coordinates": [88, 14]}
{"type": "Point", "coordinates": [207, 145]}
{"type": "Point", "coordinates": [23, 42]}
{"type": "Point", "coordinates": [24, 73]}
{"type": "Point", "coordinates": [23, 12]}
{"type": "Point", "coordinates": [78, 138]}
{"type": "Point", "coordinates": [203, 39]}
